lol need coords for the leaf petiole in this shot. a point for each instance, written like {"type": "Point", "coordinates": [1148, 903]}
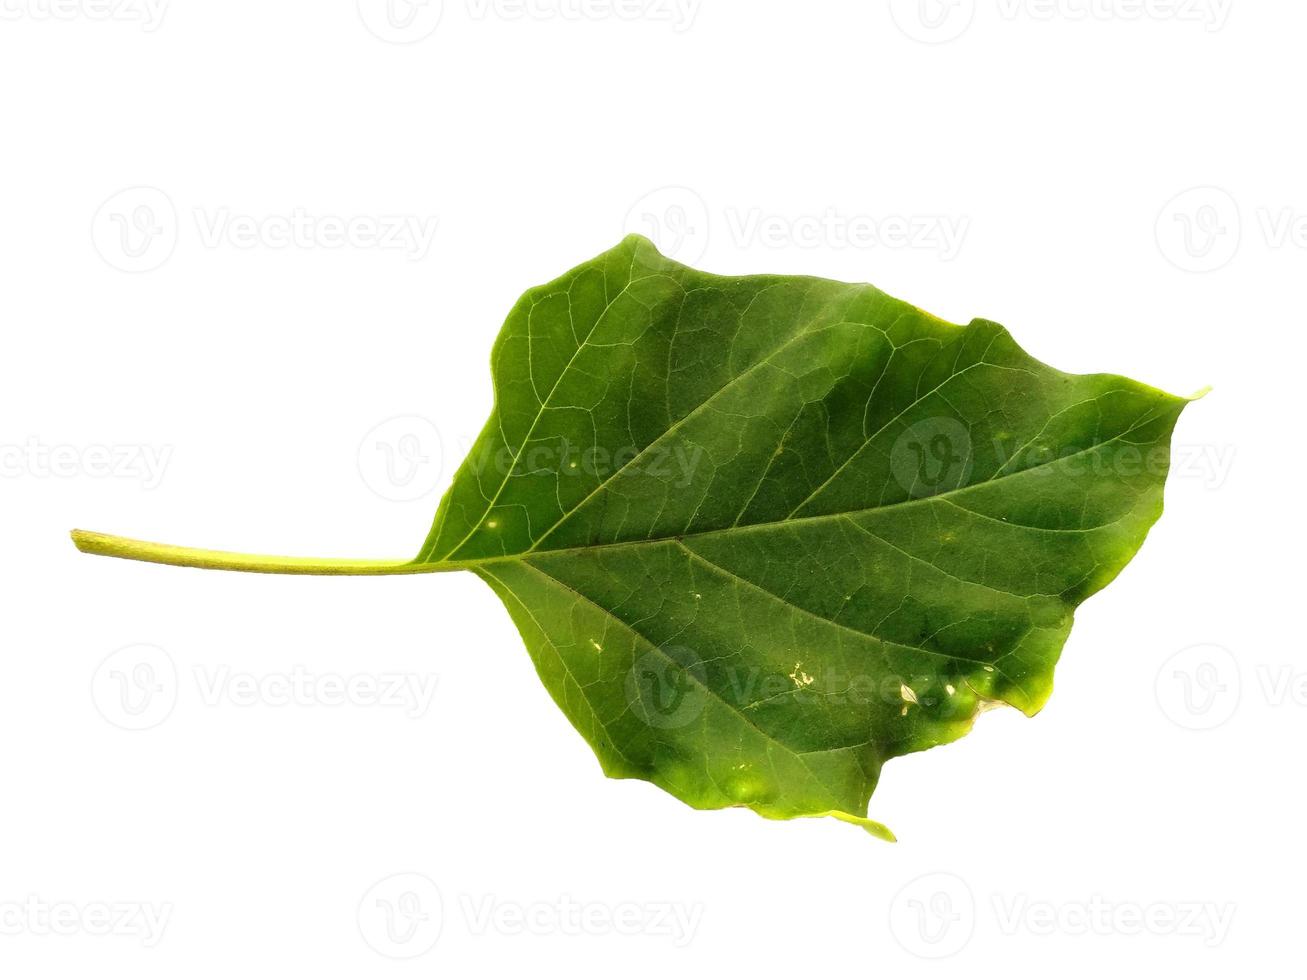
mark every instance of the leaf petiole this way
{"type": "Point", "coordinates": [112, 546]}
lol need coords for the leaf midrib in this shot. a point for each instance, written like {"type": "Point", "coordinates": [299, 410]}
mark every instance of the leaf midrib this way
{"type": "Point", "coordinates": [944, 497]}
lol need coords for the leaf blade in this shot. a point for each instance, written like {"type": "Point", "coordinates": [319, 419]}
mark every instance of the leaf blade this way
{"type": "Point", "coordinates": [833, 526]}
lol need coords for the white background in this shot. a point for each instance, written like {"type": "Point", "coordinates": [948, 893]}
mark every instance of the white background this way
{"type": "Point", "coordinates": [176, 369]}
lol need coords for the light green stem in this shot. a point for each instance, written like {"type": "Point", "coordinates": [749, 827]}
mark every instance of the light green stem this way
{"type": "Point", "coordinates": [94, 543]}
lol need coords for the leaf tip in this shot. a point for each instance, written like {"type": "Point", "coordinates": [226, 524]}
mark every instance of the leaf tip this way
{"type": "Point", "coordinates": [877, 830]}
{"type": "Point", "coordinates": [635, 240]}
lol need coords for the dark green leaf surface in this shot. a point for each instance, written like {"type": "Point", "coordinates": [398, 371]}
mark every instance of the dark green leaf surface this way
{"type": "Point", "coordinates": [763, 534]}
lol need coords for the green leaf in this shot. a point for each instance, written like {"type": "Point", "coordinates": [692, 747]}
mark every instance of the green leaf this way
{"type": "Point", "coordinates": [763, 534]}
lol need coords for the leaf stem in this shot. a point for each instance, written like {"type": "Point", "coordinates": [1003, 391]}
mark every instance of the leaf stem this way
{"type": "Point", "coordinates": [112, 546]}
